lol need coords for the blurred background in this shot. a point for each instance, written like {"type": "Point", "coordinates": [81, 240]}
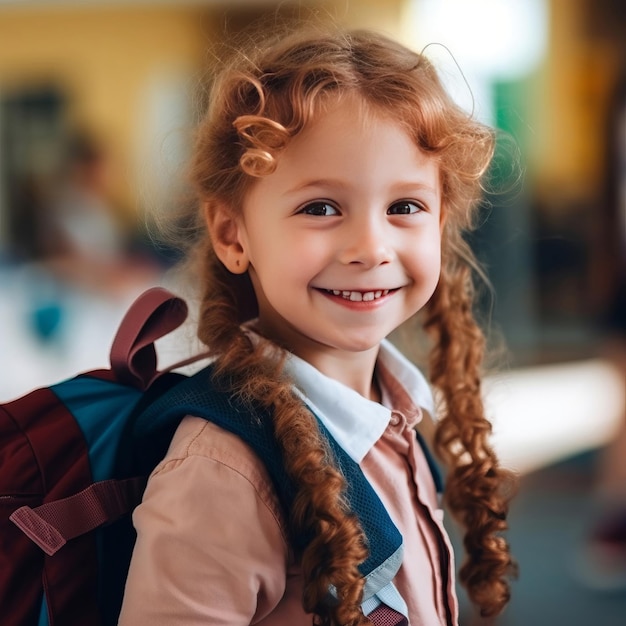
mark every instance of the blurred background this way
{"type": "Point", "coordinates": [98, 101]}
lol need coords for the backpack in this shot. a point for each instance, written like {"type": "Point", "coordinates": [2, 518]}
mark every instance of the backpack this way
{"type": "Point", "coordinates": [74, 461]}
{"type": "Point", "coordinates": [59, 441]}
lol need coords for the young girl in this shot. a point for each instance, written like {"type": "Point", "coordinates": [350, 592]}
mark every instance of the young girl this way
{"type": "Point", "coordinates": [336, 178]}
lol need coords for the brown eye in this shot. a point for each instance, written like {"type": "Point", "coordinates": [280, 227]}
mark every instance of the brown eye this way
{"type": "Point", "coordinates": [319, 208]}
{"type": "Point", "coordinates": [405, 207]}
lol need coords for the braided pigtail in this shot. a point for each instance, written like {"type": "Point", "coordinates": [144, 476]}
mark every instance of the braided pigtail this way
{"type": "Point", "coordinates": [320, 512]}
{"type": "Point", "coordinates": [477, 488]}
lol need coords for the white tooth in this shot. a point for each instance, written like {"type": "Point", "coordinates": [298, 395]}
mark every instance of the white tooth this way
{"type": "Point", "coordinates": [346, 294]}
{"type": "Point", "coordinates": [368, 297]}
{"type": "Point", "coordinates": [336, 292]}
{"type": "Point", "coordinates": [355, 296]}
{"type": "Point", "coordinates": [385, 292]}
{"type": "Point", "coordinates": [378, 294]}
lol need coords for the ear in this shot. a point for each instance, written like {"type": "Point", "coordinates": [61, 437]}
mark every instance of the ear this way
{"type": "Point", "coordinates": [225, 233]}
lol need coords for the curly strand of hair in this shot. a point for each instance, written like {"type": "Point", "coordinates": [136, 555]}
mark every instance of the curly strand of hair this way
{"type": "Point", "coordinates": [261, 132]}
{"type": "Point", "coordinates": [338, 544]}
{"type": "Point", "coordinates": [263, 138]}
{"type": "Point", "coordinates": [477, 489]}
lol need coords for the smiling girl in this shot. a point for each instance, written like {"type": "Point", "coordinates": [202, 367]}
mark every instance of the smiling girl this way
{"type": "Point", "coordinates": [336, 178]}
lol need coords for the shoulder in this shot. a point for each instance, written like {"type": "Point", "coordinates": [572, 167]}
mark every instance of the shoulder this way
{"type": "Point", "coordinates": [211, 544]}
{"type": "Point", "coordinates": [199, 442]}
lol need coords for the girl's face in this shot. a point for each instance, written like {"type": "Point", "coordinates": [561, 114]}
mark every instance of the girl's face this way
{"type": "Point", "coordinates": [344, 237]}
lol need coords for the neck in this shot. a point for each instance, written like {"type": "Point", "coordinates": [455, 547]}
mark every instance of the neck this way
{"type": "Point", "coordinates": [353, 369]}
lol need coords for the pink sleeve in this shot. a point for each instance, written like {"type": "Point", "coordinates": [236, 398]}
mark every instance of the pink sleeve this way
{"type": "Point", "coordinates": [209, 548]}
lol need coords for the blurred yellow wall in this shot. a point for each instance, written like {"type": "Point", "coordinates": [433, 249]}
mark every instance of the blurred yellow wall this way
{"type": "Point", "coordinates": [567, 152]}
{"type": "Point", "coordinates": [104, 56]}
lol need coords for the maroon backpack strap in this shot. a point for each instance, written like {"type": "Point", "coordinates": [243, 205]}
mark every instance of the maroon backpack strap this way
{"type": "Point", "coordinates": [153, 315]}
{"type": "Point", "coordinates": [52, 524]}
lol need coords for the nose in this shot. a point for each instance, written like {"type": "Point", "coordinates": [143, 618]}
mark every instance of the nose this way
{"type": "Point", "coordinates": [365, 242]}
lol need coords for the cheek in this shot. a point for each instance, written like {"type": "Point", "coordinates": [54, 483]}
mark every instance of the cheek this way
{"type": "Point", "coordinates": [281, 263]}
{"type": "Point", "coordinates": [299, 256]}
{"type": "Point", "coordinates": [427, 257]}
{"type": "Point", "coordinates": [265, 249]}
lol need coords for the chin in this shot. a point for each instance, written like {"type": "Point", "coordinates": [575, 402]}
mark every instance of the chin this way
{"type": "Point", "coordinates": [359, 344]}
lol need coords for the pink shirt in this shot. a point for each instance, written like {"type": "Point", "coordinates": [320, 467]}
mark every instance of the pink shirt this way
{"type": "Point", "coordinates": [211, 546]}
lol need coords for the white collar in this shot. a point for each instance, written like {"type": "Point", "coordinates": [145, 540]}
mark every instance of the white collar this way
{"type": "Point", "coordinates": [355, 422]}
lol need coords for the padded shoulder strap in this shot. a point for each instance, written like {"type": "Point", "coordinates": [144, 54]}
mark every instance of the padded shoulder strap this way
{"type": "Point", "coordinates": [197, 396]}
{"type": "Point", "coordinates": [384, 539]}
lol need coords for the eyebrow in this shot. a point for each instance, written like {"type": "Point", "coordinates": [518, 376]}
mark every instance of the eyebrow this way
{"type": "Point", "coordinates": [399, 187]}
{"type": "Point", "coordinates": [409, 186]}
{"type": "Point", "coordinates": [318, 182]}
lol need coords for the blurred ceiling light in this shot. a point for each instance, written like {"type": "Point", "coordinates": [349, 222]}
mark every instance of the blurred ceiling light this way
{"type": "Point", "coordinates": [500, 39]}
{"type": "Point", "coordinates": [476, 43]}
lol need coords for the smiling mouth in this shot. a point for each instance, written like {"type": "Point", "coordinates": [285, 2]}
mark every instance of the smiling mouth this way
{"type": "Point", "coordinates": [359, 296]}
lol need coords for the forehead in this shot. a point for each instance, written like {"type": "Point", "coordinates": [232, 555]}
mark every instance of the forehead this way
{"type": "Point", "coordinates": [354, 109]}
{"type": "Point", "coordinates": [349, 137]}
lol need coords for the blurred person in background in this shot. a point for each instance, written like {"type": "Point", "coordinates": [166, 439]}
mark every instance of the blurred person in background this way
{"type": "Point", "coordinates": [84, 241]}
{"type": "Point", "coordinates": [74, 245]}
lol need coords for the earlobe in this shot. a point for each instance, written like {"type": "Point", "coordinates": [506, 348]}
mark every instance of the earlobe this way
{"type": "Point", "coordinates": [225, 233]}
